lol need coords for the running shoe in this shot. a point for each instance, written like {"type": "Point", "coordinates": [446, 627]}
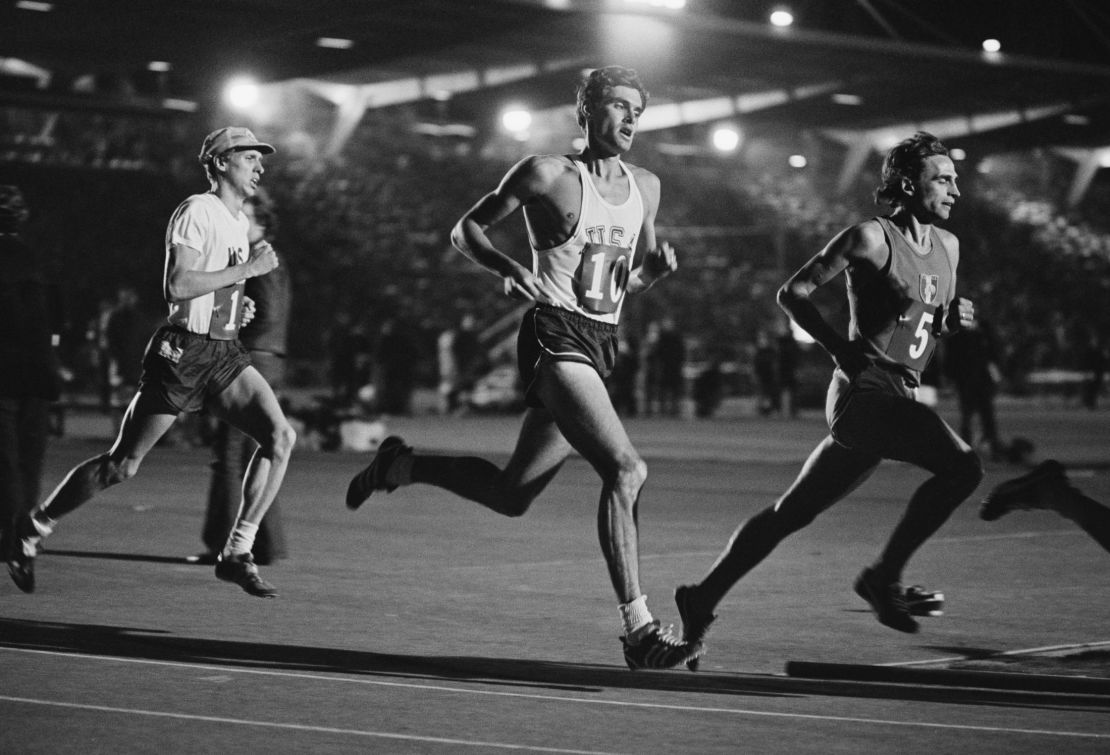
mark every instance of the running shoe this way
{"type": "Point", "coordinates": [654, 648]}
{"type": "Point", "coordinates": [922, 602]}
{"type": "Point", "coordinates": [888, 600]}
{"type": "Point", "coordinates": [694, 626]}
{"type": "Point", "coordinates": [21, 549]}
{"type": "Point", "coordinates": [373, 476]}
{"type": "Point", "coordinates": [1041, 488]}
{"type": "Point", "coordinates": [242, 571]}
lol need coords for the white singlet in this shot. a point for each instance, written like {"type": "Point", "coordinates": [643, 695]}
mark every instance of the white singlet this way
{"type": "Point", "coordinates": [203, 222]}
{"type": "Point", "coordinates": [589, 271]}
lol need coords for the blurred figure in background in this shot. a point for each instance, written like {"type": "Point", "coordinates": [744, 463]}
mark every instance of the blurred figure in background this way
{"type": "Point", "coordinates": [970, 362]}
{"type": "Point", "coordinates": [765, 369]}
{"type": "Point", "coordinates": [29, 325]}
{"type": "Point", "coordinates": [265, 338]}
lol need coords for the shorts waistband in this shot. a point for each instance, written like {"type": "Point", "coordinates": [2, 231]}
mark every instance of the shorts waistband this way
{"type": "Point", "coordinates": [172, 328]}
{"type": "Point", "coordinates": [578, 319]}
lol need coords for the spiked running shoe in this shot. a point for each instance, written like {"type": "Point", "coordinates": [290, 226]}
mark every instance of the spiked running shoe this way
{"type": "Point", "coordinates": [21, 567]}
{"type": "Point", "coordinates": [373, 476]}
{"type": "Point", "coordinates": [694, 626]}
{"type": "Point", "coordinates": [242, 571]}
{"type": "Point", "coordinates": [1041, 488]}
{"type": "Point", "coordinates": [922, 602]}
{"type": "Point", "coordinates": [654, 648]}
{"type": "Point", "coordinates": [888, 600]}
{"type": "Point", "coordinates": [21, 549]}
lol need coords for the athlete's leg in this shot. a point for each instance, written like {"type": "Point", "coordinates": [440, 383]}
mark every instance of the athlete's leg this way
{"type": "Point", "coordinates": [829, 474]}
{"type": "Point", "coordinates": [249, 405]}
{"type": "Point", "coordinates": [1092, 516]}
{"type": "Point", "coordinates": [540, 451]}
{"type": "Point", "coordinates": [580, 404]}
{"type": "Point", "coordinates": [140, 429]}
{"type": "Point", "coordinates": [909, 431]}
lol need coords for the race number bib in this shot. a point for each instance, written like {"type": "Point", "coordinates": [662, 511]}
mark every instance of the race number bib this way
{"type": "Point", "coordinates": [227, 310]}
{"type": "Point", "coordinates": [602, 277]}
{"type": "Point", "coordinates": [914, 340]}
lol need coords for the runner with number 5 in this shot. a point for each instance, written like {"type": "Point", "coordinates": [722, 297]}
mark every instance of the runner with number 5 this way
{"type": "Point", "coordinates": [584, 214]}
{"type": "Point", "coordinates": [901, 275]}
{"type": "Point", "coordinates": [195, 362]}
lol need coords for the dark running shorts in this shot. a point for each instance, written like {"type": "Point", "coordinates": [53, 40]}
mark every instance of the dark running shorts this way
{"type": "Point", "coordinates": [182, 370]}
{"type": "Point", "coordinates": [550, 334]}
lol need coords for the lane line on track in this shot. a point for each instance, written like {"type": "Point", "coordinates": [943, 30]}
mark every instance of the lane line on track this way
{"type": "Point", "coordinates": [298, 727]}
{"type": "Point", "coordinates": [558, 698]}
{"type": "Point", "coordinates": [1046, 650]}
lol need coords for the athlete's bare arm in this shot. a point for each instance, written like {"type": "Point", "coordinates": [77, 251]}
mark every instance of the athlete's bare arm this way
{"type": "Point", "coordinates": [659, 260]}
{"type": "Point", "coordinates": [960, 313]}
{"type": "Point", "coordinates": [540, 184]}
{"type": "Point", "coordinates": [861, 245]}
{"type": "Point", "coordinates": [185, 282]}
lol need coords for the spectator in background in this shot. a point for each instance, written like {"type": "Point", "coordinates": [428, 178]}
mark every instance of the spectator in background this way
{"type": "Point", "coordinates": [395, 358]}
{"type": "Point", "coordinates": [1092, 361]}
{"type": "Point", "coordinates": [29, 324]}
{"type": "Point", "coordinates": [470, 359]}
{"type": "Point", "coordinates": [626, 373]}
{"type": "Point", "coordinates": [671, 359]}
{"type": "Point", "coordinates": [787, 368]}
{"type": "Point", "coordinates": [125, 337]}
{"type": "Point", "coordinates": [765, 367]}
{"type": "Point", "coordinates": [265, 338]}
{"type": "Point", "coordinates": [969, 358]}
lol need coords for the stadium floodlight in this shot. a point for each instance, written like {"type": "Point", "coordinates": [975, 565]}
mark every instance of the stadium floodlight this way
{"type": "Point", "coordinates": [726, 138]}
{"type": "Point", "coordinates": [781, 17]}
{"type": "Point", "coordinates": [241, 93]}
{"type": "Point", "coordinates": [667, 4]}
{"type": "Point", "coordinates": [992, 45]}
{"type": "Point", "coordinates": [516, 120]}
{"type": "Point", "coordinates": [797, 161]}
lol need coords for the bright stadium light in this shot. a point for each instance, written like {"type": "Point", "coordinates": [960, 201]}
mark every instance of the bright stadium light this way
{"type": "Point", "coordinates": [781, 17]}
{"type": "Point", "coordinates": [797, 161]}
{"type": "Point", "coordinates": [516, 121]}
{"type": "Point", "coordinates": [241, 93]}
{"type": "Point", "coordinates": [992, 45]}
{"type": "Point", "coordinates": [668, 4]}
{"type": "Point", "coordinates": [726, 138]}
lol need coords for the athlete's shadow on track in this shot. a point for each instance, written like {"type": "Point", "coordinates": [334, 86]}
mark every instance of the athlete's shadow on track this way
{"type": "Point", "coordinates": [157, 645]}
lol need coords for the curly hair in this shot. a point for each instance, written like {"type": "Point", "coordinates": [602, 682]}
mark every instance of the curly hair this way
{"type": "Point", "coordinates": [906, 160]}
{"type": "Point", "coordinates": [596, 87]}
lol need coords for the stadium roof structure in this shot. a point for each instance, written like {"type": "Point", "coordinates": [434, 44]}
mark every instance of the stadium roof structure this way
{"type": "Point", "coordinates": [856, 71]}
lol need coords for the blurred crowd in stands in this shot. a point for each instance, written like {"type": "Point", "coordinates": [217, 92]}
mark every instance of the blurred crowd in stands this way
{"type": "Point", "coordinates": [378, 285]}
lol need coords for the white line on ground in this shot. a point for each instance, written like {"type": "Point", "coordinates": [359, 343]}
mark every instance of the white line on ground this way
{"type": "Point", "coordinates": [298, 727]}
{"type": "Point", "coordinates": [550, 698]}
{"type": "Point", "coordinates": [1046, 650]}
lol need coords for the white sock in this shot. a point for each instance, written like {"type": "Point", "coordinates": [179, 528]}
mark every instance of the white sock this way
{"type": "Point", "coordinates": [241, 540]}
{"type": "Point", "coordinates": [635, 615]}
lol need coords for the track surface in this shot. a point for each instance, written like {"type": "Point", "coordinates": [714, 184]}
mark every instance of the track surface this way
{"type": "Point", "coordinates": [424, 624]}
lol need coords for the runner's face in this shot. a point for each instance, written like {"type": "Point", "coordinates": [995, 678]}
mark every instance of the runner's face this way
{"type": "Point", "coordinates": [244, 171]}
{"type": "Point", "coordinates": [935, 192]}
{"type": "Point", "coordinates": [616, 118]}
